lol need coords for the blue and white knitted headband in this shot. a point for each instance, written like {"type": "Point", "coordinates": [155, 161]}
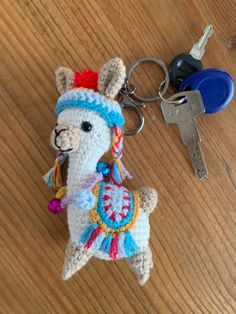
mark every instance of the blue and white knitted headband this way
{"type": "Point", "coordinates": [89, 99]}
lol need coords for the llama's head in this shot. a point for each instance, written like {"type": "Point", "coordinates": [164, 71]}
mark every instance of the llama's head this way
{"type": "Point", "coordinates": [80, 130]}
{"type": "Point", "coordinates": [88, 115]}
{"type": "Point", "coordinates": [90, 120]}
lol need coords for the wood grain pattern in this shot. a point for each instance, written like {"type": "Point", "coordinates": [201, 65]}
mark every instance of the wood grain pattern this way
{"type": "Point", "coordinates": [193, 234]}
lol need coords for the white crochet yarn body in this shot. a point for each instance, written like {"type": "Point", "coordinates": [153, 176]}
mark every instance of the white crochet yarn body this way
{"type": "Point", "coordinates": [82, 164]}
{"type": "Point", "coordinates": [87, 122]}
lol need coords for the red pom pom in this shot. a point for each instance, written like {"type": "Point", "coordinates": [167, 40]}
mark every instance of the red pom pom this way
{"type": "Point", "coordinates": [86, 79]}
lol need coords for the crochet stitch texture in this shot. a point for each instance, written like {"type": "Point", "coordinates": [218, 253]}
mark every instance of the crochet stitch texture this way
{"type": "Point", "coordinates": [114, 215]}
{"type": "Point", "coordinates": [105, 219]}
{"type": "Point", "coordinates": [91, 100]}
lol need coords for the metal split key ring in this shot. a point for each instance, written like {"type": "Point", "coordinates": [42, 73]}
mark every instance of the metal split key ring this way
{"type": "Point", "coordinates": [128, 93]}
{"type": "Point", "coordinates": [159, 63]}
{"type": "Point", "coordinates": [169, 101]}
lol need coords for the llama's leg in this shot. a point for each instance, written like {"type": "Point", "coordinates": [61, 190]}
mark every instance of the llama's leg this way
{"type": "Point", "coordinates": [148, 199]}
{"type": "Point", "coordinates": [141, 264]}
{"type": "Point", "coordinates": [76, 257]}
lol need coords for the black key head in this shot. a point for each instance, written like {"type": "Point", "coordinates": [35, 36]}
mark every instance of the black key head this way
{"type": "Point", "coordinates": [183, 66]}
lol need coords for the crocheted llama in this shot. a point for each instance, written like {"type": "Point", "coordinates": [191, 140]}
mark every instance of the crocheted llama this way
{"type": "Point", "coordinates": [105, 219]}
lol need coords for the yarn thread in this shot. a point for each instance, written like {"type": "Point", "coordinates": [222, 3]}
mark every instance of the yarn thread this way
{"type": "Point", "coordinates": [53, 176]}
{"type": "Point", "coordinates": [118, 170]}
{"type": "Point", "coordinates": [113, 219]}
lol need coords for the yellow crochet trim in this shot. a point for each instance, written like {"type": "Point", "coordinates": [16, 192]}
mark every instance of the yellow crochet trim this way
{"type": "Point", "coordinates": [96, 218]}
{"type": "Point", "coordinates": [61, 192]}
{"type": "Point", "coordinates": [96, 189]}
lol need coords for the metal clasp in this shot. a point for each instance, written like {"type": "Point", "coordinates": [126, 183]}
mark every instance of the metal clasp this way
{"type": "Point", "coordinates": [128, 93]}
{"type": "Point", "coordinates": [127, 103]}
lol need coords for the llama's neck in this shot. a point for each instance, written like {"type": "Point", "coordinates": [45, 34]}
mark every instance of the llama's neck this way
{"type": "Point", "coordinates": [81, 168]}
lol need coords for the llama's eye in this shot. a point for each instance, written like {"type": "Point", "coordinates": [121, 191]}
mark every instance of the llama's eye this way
{"type": "Point", "coordinates": [86, 126]}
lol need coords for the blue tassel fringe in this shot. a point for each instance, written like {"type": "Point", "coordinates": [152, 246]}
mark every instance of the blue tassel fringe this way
{"type": "Point", "coordinates": [130, 245]}
{"type": "Point", "coordinates": [85, 236]}
{"type": "Point", "coordinates": [106, 244]}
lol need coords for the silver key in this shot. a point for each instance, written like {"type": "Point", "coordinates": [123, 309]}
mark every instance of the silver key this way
{"type": "Point", "coordinates": [184, 115]}
{"type": "Point", "coordinates": [198, 49]}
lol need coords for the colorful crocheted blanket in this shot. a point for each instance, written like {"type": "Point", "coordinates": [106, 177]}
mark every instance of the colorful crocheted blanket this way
{"type": "Point", "coordinates": [112, 218]}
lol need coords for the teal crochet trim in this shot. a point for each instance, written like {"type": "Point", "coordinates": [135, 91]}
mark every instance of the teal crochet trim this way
{"type": "Point", "coordinates": [105, 219]}
{"type": "Point", "coordinates": [109, 111]}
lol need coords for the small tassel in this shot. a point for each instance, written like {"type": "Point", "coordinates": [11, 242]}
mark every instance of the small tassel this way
{"type": "Point", "coordinates": [93, 237]}
{"type": "Point", "coordinates": [106, 244]}
{"type": "Point", "coordinates": [130, 245]}
{"type": "Point", "coordinates": [114, 247]}
{"type": "Point", "coordinates": [85, 236]}
{"type": "Point", "coordinates": [53, 177]}
{"type": "Point", "coordinates": [119, 172]}
{"type": "Point", "coordinates": [98, 241]}
{"type": "Point", "coordinates": [121, 248]}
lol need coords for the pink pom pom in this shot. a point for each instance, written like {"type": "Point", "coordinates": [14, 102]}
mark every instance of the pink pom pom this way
{"type": "Point", "coordinates": [54, 206]}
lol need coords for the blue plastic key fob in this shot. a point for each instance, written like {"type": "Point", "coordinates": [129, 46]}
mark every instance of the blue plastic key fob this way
{"type": "Point", "coordinates": [215, 85]}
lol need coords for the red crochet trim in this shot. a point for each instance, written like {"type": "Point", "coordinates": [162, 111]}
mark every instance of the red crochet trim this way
{"type": "Point", "coordinates": [86, 79]}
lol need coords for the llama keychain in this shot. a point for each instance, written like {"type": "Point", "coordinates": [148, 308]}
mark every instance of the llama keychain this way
{"type": "Point", "coordinates": [105, 219]}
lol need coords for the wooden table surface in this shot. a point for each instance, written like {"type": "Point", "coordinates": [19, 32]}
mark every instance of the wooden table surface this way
{"type": "Point", "coordinates": [193, 234]}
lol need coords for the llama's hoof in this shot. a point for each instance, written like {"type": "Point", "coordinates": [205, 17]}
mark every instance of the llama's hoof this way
{"type": "Point", "coordinates": [76, 258]}
{"type": "Point", "coordinates": [141, 265]}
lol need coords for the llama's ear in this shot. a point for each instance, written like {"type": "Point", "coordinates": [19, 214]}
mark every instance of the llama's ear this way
{"type": "Point", "coordinates": [64, 79]}
{"type": "Point", "coordinates": [111, 77]}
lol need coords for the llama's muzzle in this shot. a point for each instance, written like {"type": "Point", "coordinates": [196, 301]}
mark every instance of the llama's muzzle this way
{"type": "Point", "coordinates": [65, 138]}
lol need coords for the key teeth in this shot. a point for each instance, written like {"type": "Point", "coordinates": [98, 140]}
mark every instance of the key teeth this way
{"type": "Point", "coordinates": [198, 162]}
{"type": "Point", "coordinates": [184, 115]}
{"type": "Point", "coordinates": [202, 174]}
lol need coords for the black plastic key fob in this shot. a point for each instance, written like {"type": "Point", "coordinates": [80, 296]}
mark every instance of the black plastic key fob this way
{"type": "Point", "coordinates": [183, 66]}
